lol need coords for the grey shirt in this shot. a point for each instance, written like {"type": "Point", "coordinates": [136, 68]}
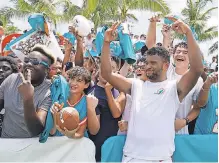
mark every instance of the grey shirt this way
{"type": "Point", "coordinates": [14, 124]}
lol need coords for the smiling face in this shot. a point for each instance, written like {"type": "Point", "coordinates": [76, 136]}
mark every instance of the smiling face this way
{"type": "Point", "coordinates": [77, 85]}
{"type": "Point", "coordinates": [155, 68]}
{"type": "Point", "coordinates": [181, 58]}
{"type": "Point", "coordinates": [79, 79]}
{"type": "Point", "coordinates": [140, 69]}
{"type": "Point", "coordinates": [36, 62]}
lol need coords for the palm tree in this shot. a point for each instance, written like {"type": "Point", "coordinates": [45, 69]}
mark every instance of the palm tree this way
{"type": "Point", "coordinates": [8, 26]}
{"type": "Point", "coordinates": [101, 11]}
{"type": "Point", "coordinates": [197, 16]}
{"type": "Point", "coordinates": [213, 48]}
{"type": "Point", "coordinates": [23, 8]}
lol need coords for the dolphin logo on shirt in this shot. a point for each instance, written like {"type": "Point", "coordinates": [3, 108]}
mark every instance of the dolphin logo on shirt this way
{"type": "Point", "coordinates": [160, 91]}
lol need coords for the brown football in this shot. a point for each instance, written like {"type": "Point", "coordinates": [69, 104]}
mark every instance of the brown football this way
{"type": "Point", "coordinates": [68, 117]}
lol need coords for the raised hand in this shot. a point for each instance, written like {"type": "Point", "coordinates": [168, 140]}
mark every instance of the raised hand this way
{"type": "Point", "coordinates": [155, 18]}
{"type": "Point", "coordinates": [26, 89]}
{"type": "Point", "coordinates": [68, 45]}
{"type": "Point", "coordinates": [75, 33]}
{"type": "Point", "coordinates": [92, 102]}
{"type": "Point", "coordinates": [212, 78]}
{"type": "Point", "coordinates": [166, 30]}
{"type": "Point", "coordinates": [179, 26]}
{"type": "Point", "coordinates": [111, 33]}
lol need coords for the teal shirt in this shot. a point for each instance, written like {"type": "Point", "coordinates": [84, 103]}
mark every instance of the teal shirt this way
{"type": "Point", "coordinates": [207, 117]}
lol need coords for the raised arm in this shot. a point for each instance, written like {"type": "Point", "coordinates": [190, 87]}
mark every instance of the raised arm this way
{"type": "Point", "coordinates": [117, 81]}
{"type": "Point", "coordinates": [68, 49]}
{"type": "Point", "coordinates": [166, 36]}
{"type": "Point", "coordinates": [34, 120]}
{"type": "Point", "coordinates": [79, 57]}
{"type": "Point", "coordinates": [93, 120]}
{"type": "Point", "coordinates": [190, 78]}
{"type": "Point", "coordinates": [117, 105]}
{"type": "Point", "coordinates": [204, 93]}
{"type": "Point", "coordinates": [151, 35]}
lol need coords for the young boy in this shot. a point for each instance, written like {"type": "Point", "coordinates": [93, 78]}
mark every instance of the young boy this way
{"type": "Point", "coordinates": [79, 79]}
{"type": "Point", "coordinates": [108, 124]}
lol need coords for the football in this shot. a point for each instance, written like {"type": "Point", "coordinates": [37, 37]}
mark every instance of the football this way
{"type": "Point", "coordinates": [68, 118]}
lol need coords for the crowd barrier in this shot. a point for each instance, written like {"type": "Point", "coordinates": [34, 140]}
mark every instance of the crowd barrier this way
{"type": "Point", "coordinates": [56, 149]}
{"type": "Point", "coordinates": [189, 148]}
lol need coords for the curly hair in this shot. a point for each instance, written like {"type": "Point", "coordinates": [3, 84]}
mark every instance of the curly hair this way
{"type": "Point", "coordinates": [79, 72]}
{"type": "Point", "coordinates": [181, 45]}
{"type": "Point", "coordinates": [11, 61]}
{"type": "Point", "coordinates": [160, 51]}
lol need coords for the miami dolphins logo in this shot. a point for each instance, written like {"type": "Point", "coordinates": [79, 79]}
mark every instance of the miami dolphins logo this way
{"type": "Point", "coordinates": [159, 91]}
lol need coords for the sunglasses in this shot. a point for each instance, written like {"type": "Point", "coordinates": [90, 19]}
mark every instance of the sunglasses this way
{"type": "Point", "coordinates": [35, 62]}
{"type": "Point", "coordinates": [141, 67]}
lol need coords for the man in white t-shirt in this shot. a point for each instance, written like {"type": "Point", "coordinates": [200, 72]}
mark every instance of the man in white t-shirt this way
{"type": "Point", "coordinates": [155, 102]}
{"type": "Point", "coordinates": [185, 113]}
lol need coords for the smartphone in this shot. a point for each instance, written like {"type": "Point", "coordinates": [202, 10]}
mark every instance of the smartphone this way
{"type": "Point", "coordinates": [69, 65]}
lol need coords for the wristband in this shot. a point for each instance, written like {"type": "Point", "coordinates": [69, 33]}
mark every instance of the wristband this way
{"type": "Point", "coordinates": [187, 121]}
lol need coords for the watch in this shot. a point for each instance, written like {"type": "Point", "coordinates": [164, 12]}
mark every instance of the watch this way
{"type": "Point", "coordinates": [187, 121]}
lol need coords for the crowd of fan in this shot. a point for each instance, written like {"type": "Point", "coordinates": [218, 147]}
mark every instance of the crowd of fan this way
{"type": "Point", "coordinates": [121, 98]}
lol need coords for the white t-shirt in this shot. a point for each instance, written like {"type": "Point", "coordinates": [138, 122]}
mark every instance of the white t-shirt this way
{"type": "Point", "coordinates": [151, 130]}
{"type": "Point", "coordinates": [185, 106]}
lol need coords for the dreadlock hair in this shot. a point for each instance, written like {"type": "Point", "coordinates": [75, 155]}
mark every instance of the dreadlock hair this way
{"type": "Point", "coordinates": [12, 63]}
{"type": "Point", "coordinates": [44, 51]}
{"type": "Point", "coordinates": [77, 71]}
{"type": "Point", "coordinates": [161, 52]}
{"type": "Point", "coordinates": [181, 45]}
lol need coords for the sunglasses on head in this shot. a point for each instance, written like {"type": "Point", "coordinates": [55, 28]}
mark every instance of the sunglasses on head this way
{"type": "Point", "coordinates": [35, 62]}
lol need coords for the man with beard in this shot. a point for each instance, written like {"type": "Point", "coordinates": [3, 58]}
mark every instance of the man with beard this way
{"type": "Point", "coordinates": [155, 101]}
{"type": "Point", "coordinates": [179, 65]}
{"type": "Point", "coordinates": [7, 67]}
{"type": "Point", "coordinates": [26, 97]}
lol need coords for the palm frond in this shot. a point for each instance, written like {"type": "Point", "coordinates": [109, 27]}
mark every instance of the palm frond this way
{"type": "Point", "coordinates": [132, 16]}
{"type": "Point", "coordinates": [151, 5]}
{"type": "Point", "coordinates": [213, 48]}
{"type": "Point", "coordinates": [206, 13]}
{"type": "Point", "coordinates": [206, 36]}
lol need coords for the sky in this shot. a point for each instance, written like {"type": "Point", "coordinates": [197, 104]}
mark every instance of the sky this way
{"type": "Point", "coordinates": [141, 26]}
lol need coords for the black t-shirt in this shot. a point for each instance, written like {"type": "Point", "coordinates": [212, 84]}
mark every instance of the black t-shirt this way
{"type": "Point", "coordinates": [108, 124]}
